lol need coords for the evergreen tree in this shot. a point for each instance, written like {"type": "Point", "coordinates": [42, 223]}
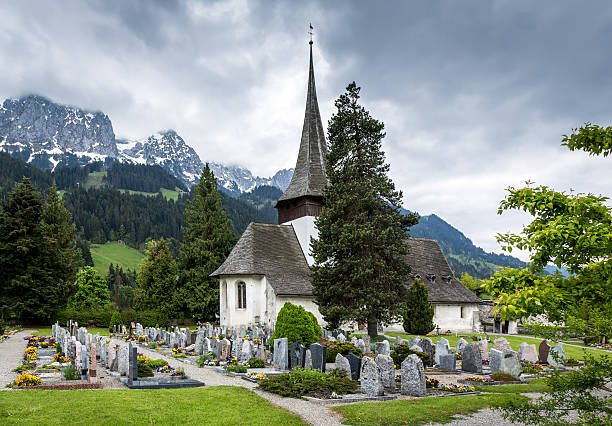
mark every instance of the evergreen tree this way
{"type": "Point", "coordinates": [83, 246]}
{"type": "Point", "coordinates": [208, 240]}
{"type": "Point", "coordinates": [359, 270]}
{"type": "Point", "coordinates": [62, 258]}
{"type": "Point", "coordinates": [92, 291]}
{"type": "Point", "coordinates": [418, 312]}
{"type": "Point", "coordinates": [157, 280]}
{"type": "Point", "coordinates": [24, 281]}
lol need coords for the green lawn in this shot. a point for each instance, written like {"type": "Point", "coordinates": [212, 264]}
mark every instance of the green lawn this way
{"type": "Point", "coordinates": [105, 254]}
{"type": "Point", "coordinates": [94, 180]}
{"type": "Point", "coordinates": [515, 341]}
{"type": "Point", "coordinates": [419, 411]}
{"type": "Point", "coordinates": [168, 194]}
{"type": "Point", "coordinates": [214, 405]}
{"type": "Point", "coordinates": [535, 385]}
{"type": "Point", "coordinates": [47, 331]}
{"type": "Point", "coordinates": [132, 192]}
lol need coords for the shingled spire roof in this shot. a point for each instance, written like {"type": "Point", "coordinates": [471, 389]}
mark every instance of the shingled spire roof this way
{"type": "Point", "coordinates": [309, 177]}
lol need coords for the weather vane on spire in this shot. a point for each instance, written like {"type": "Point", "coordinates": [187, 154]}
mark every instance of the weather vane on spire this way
{"type": "Point", "coordinates": [310, 32]}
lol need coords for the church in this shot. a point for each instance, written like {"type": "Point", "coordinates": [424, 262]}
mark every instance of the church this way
{"type": "Point", "coordinates": [270, 264]}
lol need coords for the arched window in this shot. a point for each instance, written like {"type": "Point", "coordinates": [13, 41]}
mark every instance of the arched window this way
{"type": "Point", "coordinates": [241, 295]}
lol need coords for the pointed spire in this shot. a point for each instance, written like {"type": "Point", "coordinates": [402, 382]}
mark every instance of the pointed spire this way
{"type": "Point", "coordinates": [309, 177]}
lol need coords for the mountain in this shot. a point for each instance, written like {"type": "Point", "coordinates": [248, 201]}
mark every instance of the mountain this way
{"type": "Point", "coordinates": [49, 135]}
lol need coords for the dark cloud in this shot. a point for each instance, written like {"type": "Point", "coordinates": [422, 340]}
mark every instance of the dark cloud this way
{"type": "Point", "coordinates": [475, 95]}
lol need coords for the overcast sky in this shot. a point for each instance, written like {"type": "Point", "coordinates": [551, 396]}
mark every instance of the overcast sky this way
{"type": "Point", "coordinates": [475, 95]}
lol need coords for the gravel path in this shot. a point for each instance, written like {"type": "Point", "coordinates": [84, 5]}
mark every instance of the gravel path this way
{"type": "Point", "coordinates": [11, 355]}
{"type": "Point", "coordinates": [311, 413]}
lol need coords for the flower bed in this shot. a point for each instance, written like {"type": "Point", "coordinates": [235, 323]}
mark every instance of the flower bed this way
{"type": "Point", "coordinates": [431, 383]}
{"type": "Point", "coordinates": [456, 388]}
{"type": "Point", "coordinates": [478, 379]}
{"type": "Point", "coordinates": [25, 380]}
{"type": "Point", "coordinates": [165, 369]}
{"type": "Point", "coordinates": [533, 368]}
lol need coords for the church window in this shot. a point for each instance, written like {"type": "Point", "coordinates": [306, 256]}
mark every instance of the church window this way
{"type": "Point", "coordinates": [431, 278]}
{"type": "Point", "coordinates": [241, 295]}
{"type": "Point", "coordinates": [463, 312]}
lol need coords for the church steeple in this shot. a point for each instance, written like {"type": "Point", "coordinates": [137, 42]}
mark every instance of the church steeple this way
{"type": "Point", "coordinates": [304, 195]}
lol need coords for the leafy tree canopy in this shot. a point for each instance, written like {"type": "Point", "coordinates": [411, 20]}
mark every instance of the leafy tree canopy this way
{"type": "Point", "coordinates": [92, 291]}
{"type": "Point", "coordinates": [296, 324]}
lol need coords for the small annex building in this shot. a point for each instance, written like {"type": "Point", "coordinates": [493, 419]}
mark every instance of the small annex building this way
{"type": "Point", "coordinates": [270, 264]}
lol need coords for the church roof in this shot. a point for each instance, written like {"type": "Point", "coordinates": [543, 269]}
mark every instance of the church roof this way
{"type": "Point", "coordinates": [273, 251]}
{"type": "Point", "coordinates": [429, 264]}
{"type": "Point", "coordinates": [309, 177]}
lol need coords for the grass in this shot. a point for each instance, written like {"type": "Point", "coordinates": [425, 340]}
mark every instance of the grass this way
{"type": "Point", "coordinates": [168, 194]}
{"type": "Point", "coordinates": [132, 192]}
{"type": "Point", "coordinates": [105, 254]}
{"type": "Point", "coordinates": [214, 405]}
{"type": "Point", "coordinates": [514, 341]}
{"type": "Point", "coordinates": [94, 180]}
{"type": "Point", "coordinates": [536, 386]}
{"type": "Point", "coordinates": [419, 411]}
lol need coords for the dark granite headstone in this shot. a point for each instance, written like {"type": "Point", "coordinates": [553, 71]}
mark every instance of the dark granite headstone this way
{"type": "Point", "coordinates": [543, 351]}
{"type": "Point", "coordinates": [448, 361]}
{"type": "Point", "coordinates": [471, 359]}
{"type": "Point", "coordinates": [426, 346]}
{"type": "Point", "coordinates": [294, 355]}
{"type": "Point", "coordinates": [133, 369]}
{"type": "Point", "coordinates": [318, 352]}
{"type": "Point", "coordinates": [355, 363]}
{"type": "Point", "coordinates": [302, 360]}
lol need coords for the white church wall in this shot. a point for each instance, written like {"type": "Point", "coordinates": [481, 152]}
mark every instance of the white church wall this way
{"type": "Point", "coordinates": [447, 317]}
{"type": "Point", "coordinates": [307, 302]}
{"type": "Point", "coordinates": [305, 228]}
{"type": "Point", "coordinates": [230, 314]}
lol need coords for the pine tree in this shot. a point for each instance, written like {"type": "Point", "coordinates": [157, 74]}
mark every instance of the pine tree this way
{"type": "Point", "coordinates": [62, 258]}
{"type": "Point", "coordinates": [208, 240]}
{"type": "Point", "coordinates": [418, 312]}
{"type": "Point", "coordinates": [157, 280]}
{"type": "Point", "coordinates": [359, 271]}
{"type": "Point", "coordinates": [23, 278]}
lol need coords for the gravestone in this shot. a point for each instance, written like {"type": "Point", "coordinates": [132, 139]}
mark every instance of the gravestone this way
{"type": "Point", "coordinates": [225, 347]}
{"type": "Point", "coordinates": [295, 350]}
{"type": "Point", "coordinates": [387, 370]}
{"type": "Point", "coordinates": [93, 363]}
{"type": "Point", "coordinates": [366, 342]}
{"type": "Point", "coordinates": [448, 362]}
{"type": "Point", "coordinates": [236, 345]}
{"type": "Point", "coordinates": [426, 346]}
{"type": "Point", "coordinates": [341, 337]}
{"type": "Point", "coordinates": [77, 354]}
{"type": "Point", "coordinates": [246, 351]}
{"type": "Point", "coordinates": [308, 360]}
{"type": "Point", "coordinates": [528, 353]}
{"type": "Point", "coordinates": [543, 350]}
{"type": "Point", "coordinates": [133, 363]}
{"type": "Point", "coordinates": [413, 376]}
{"type": "Point", "coordinates": [556, 356]}
{"type": "Point", "coordinates": [123, 360]}
{"type": "Point", "coordinates": [354, 340]}
{"type": "Point", "coordinates": [84, 363]}
{"type": "Point", "coordinates": [414, 341]}
{"type": "Point", "coordinates": [510, 363]}
{"type": "Point", "coordinates": [342, 364]}
{"type": "Point", "coordinates": [206, 345]}
{"type": "Point", "coordinates": [442, 348]}
{"type": "Point", "coordinates": [355, 363]}
{"type": "Point", "coordinates": [370, 378]}
{"type": "Point", "coordinates": [501, 343]}
{"type": "Point", "coordinates": [281, 355]}
{"type": "Point", "coordinates": [471, 360]}
{"type": "Point", "coordinates": [461, 343]}
{"type": "Point", "coordinates": [383, 348]}
{"type": "Point", "coordinates": [319, 356]}
{"type": "Point", "coordinates": [111, 358]}
{"type": "Point", "coordinates": [361, 345]}
{"type": "Point", "coordinates": [484, 349]}
{"type": "Point", "coordinates": [199, 344]}
{"type": "Point", "coordinates": [495, 361]}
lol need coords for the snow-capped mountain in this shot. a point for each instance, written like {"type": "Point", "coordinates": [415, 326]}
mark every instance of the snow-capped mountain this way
{"type": "Point", "coordinates": [46, 134]}
{"type": "Point", "coordinates": [166, 149]}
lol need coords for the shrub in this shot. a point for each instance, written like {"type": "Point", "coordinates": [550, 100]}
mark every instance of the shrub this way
{"type": "Point", "coordinates": [152, 345]}
{"type": "Point", "coordinates": [236, 368]}
{"type": "Point", "coordinates": [297, 325]}
{"type": "Point", "coordinates": [498, 376]}
{"type": "Point", "coordinates": [343, 348]}
{"type": "Point", "coordinates": [70, 373]}
{"type": "Point", "coordinates": [400, 352]}
{"type": "Point", "coordinates": [144, 368]}
{"type": "Point", "coordinates": [299, 382]}
{"type": "Point", "coordinates": [418, 312]}
{"type": "Point", "coordinates": [256, 363]}
{"type": "Point", "coordinates": [154, 363]}
{"type": "Point", "coordinates": [115, 320]}
{"type": "Point", "coordinates": [204, 358]}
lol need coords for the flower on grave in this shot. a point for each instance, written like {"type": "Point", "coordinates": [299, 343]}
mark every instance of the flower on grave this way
{"type": "Point", "coordinates": [478, 379]}
{"type": "Point", "coordinates": [431, 383]}
{"type": "Point", "coordinates": [165, 369]}
{"type": "Point", "coordinates": [257, 341]}
{"type": "Point", "coordinates": [245, 338]}
{"type": "Point", "coordinates": [256, 376]}
{"type": "Point", "coordinates": [26, 379]}
{"type": "Point", "coordinates": [142, 339]}
{"type": "Point", "coordinates": [457, 388]}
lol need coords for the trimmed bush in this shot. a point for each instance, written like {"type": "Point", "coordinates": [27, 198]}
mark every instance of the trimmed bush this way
{"type": "Point", "coordinates": [236, 368]}
{"type": "Point", "coordinates": [343, 348]}
{"type": "Point", "coordinates": [400, 352]}
{"type": "Point", "coordinates": [144, 369]}
{"type": "Point", "coordinates": [115, 320]}
{"type": "Point", "coordinates": [498, 376]}
{"type": "Point", "coordinates": [256, 363]}
{"type": "Point", "coordinates": [299, 382]}
{"type": "Point", "coordinates": [297, 325]}
{"type": "Point", "coordinates": [418, 312]}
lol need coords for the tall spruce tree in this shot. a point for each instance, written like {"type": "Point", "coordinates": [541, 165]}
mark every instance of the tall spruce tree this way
{"type": "Point", "coordinates": [359, 272]}
{"type": "Point", "coordinates": [208, 240]}
{"type": "Point", "coordinates": [63, 258]}
{"type": "Point", "coordinates": [157, 280]}
{"type": "Point", "coordinates": [418, 312]}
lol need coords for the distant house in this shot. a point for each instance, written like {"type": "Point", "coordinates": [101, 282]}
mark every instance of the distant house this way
{"type": "Point", "coordinates": [270, 264]}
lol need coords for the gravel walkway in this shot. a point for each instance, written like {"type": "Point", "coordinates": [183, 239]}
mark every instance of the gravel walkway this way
{"type": "Point", "coordinates": [311, 413]}
{"type": "Point", "coordinates": [11, 355]}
